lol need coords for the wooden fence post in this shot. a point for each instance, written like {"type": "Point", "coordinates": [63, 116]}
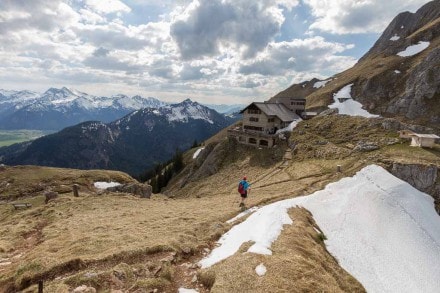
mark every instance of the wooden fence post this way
{"type": "Point", "coordinates": [75, 190]}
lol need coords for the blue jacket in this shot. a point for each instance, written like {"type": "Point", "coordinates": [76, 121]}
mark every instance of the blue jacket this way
{"type": "Point", "coordinates": [245, 184]}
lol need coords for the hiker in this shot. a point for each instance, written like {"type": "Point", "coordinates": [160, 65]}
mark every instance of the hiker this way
{"type": "Point", "coordinates": [243, 188]}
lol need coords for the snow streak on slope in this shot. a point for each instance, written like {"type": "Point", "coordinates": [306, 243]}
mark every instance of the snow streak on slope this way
{"type": "Point", "coordinates": [382, 230]}
{"type": "Point", "coordinates": [414, 49]}
{"type": "Point", "coordinates": [346, 105]}
{"type": "Point", "coordinates": [321, 83]}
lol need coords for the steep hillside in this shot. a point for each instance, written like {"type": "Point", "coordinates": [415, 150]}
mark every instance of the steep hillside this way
{"type": "Point", "coordinates": [398, 77]}
{"type": "Point", "coordinates": [131, 144]}
{"type": "Point", "coordinates": [116, 241]}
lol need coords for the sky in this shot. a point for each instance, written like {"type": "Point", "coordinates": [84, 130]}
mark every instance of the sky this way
{"type": "Point", "coordinates": [211, 51]}
{"type": "Point", "coordinates": [370, 221]}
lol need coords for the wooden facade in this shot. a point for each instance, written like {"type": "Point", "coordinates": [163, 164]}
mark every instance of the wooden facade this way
{"type": "Point", "coordinates": [296, 105]}
{"type": "Point", "coordinates": [260, 123]}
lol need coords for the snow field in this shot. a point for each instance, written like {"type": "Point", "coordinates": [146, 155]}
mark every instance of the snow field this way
{"type": "Point", "coordinates": [380, 229]}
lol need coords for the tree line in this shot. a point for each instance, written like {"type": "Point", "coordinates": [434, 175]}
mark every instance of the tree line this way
{"type": "Point", "coordinates": [159, 176]}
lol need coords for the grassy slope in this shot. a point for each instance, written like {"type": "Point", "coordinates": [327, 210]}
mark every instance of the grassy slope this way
{"type": "Point", "coordinates": [86, 240]}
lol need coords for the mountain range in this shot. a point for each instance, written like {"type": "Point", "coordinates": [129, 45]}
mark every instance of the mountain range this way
{"type": "Point", "coordinates": [56, 109]}
{"type": "Point", "coordinates": [59, 108]}
{"type": "Point", "coordinates": [132, 144]}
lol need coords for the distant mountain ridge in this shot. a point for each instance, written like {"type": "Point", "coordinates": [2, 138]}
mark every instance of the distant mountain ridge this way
{"type": "Point", "coordinates": [56, 109]}
{"type": "Point", "coordinates": [226, 109]}
{"type": "Point", "coordinates": [398, 77]}
{"type": "Point", "coordinates": [131, 144]}
{"type": "Point", "coordinates": [59, 108]}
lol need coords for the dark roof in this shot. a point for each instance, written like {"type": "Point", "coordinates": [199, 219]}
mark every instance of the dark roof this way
{"type": "Point", "coordinates": [275, 109]}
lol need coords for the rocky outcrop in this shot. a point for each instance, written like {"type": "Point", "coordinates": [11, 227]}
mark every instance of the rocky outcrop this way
{"type": "Point", "coordinates": [403, 25]}
{"type": "Point", "coordinates": [141, 190]}
{"type": "Point", "coordinates": [425, 178]}
{"type": "Point", "coordinates": [421, 91]}
{"type": "Point", "coordinates": [396, 125]}
{"type": "Point", "coordinates": [409, 86]}
{"type": "Point", "coordinates": [49, 195]}
{"type": "Point", "coordinates": [366, 146]}
{"type": "Point", "coordinates": [206, 164]}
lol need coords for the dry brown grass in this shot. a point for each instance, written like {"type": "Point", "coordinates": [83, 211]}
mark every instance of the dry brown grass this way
{"type": "Point", "coordinates": [28, 181]}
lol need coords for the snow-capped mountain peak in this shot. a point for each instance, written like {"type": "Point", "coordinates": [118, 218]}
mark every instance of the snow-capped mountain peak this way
{"type": "Point", "coordinates": [188, 110]}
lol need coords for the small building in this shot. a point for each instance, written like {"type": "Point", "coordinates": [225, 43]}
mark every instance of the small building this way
{"type": "Point", "coordinates": [423, 140]}
{"type": "Point", "coordinates": [419, 139]}
{"type": "Point", "coordinates": [261, 122]}
{"type": "Point", "coordinates": [296, 105]}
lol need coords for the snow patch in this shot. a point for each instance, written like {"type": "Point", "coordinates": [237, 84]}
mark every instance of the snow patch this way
{"type": "Point", "coordinates": [289, 127]}
{"type": "Point", "coordinates": [261, 270]}
{"type": "Point", "coordinates": [397, 71]}
{"type": "Point", "coordinates": [184, 290]}
{"type": "Point", "coordinates": [414, 49]}
{"type": "Point", "coordinates": [196, 154]}
{"type": "Point", "coordinates": [394, 38]}
{"type": "Point", "coordinates": [396, 250]}
{"type": "Point", "coordinates": [321, 83]}
{"type": "Point", "coordinates": [346, 105]}
{"type": "Point", "coordinates": [105, 185]}
{"type": "Point", "coordinates": [242, 214]}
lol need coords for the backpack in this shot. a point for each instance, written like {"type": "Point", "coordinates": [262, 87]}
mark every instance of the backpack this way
{"type": "Point", "coordinates": [241, 188]}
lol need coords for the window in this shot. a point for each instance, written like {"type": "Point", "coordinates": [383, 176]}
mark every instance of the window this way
{"type": "Point", "coordinates": [264, 142]}
{"type": "Point", "coordinates": [271, 120]}
{"type": "Point", "coordinates": [252, 140]}
{"type": "Point", "coordinates": [247, 127]}
{"type": "Point", "coordinates": [253, 119]}
{"type": "Point", "coordinates": [254, 111]}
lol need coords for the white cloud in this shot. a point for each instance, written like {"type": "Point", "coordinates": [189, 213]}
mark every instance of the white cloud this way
{"type": "Point", "coordinates": [357, 16]}
{"type": "Point", "coordinates": [91, 17]}
{"type": "Point", "coordinates": [208, 26]}
{"type": "Point", "coordinates": [226, 49]}
{"type": "Point", "coordinates": [107, 6]}
{"type": "Point", "coordinates": [299, 55]}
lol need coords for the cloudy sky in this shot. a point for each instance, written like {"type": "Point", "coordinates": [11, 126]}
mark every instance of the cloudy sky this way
{"type": "Point", "coordinates": [212, 51]}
